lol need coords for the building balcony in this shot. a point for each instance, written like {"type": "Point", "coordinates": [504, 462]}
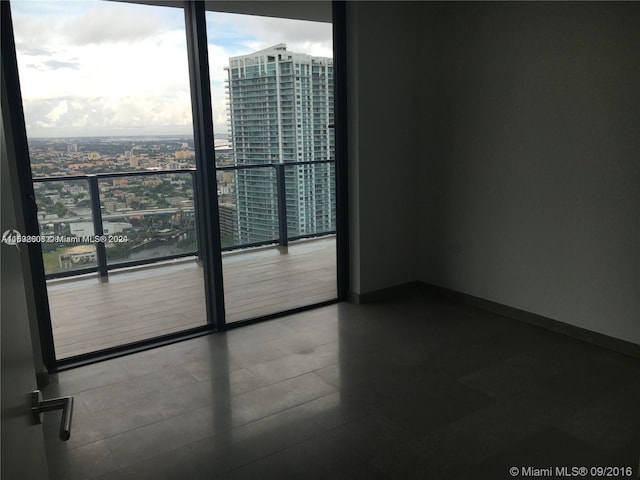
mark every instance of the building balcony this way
{"type": "Point", "coordinates": [146, 281]}
{"type": "Point", "coordinates": [168, 296]}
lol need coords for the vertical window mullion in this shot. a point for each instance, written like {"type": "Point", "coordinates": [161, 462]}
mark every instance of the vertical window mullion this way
{"type": "Point", "coordinates": [205, 183]}
{"type": "Point", "coordinates": [340, 138]}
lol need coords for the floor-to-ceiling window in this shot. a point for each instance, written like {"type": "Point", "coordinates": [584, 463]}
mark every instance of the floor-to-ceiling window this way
{"type": "Point", "coordinates": [272, 89]}
{"type": "Point", "coordinates": [105, 91]}
{"type": "Point", "coordinates": [120, 164]}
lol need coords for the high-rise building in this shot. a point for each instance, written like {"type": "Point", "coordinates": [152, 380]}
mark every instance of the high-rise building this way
{"type": "Point", "coordinates": [281, 112]}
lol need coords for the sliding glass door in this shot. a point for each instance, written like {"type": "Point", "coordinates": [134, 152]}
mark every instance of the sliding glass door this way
{"type": "Point", "coordinates": [106, 96]}
{"type": "Point", "coordinates": [273, 93]}
{"type": "Point", "coordinates": [184, 168]}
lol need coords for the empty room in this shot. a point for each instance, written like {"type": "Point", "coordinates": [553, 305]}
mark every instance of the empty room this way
{"type": "Point", "coordinates": [320, 240]}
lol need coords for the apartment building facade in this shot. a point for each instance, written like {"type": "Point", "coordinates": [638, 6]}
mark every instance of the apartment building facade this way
{"type": "Point", "coordinates": [280, 106]}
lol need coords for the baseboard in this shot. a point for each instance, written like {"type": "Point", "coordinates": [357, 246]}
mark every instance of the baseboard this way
{"type": "Point", "coordinates": [383, 293]}
{"type": "Point", "coordinates": [600, 339]}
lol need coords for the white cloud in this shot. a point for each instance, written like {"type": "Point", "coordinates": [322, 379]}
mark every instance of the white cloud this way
{"type": "Point", "coordinates": [105, 116]}
{"type": "Point", "coordinates": [58, 111]}
{"type": "Point", "coordinates": [88, 68]}
{"type": "Point", "coordinates": [55, 64]}
{"type": "Point", "coordinates": [111, 24]}
{"type": "Point", "coordinates": [314, 38]}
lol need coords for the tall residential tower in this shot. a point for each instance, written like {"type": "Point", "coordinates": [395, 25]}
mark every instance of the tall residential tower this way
{"type": "Point", "coordinates": [281, 111]}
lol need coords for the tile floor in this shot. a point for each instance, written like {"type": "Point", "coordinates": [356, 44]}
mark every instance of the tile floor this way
{"type": "Point", "coordinates": [146, 302]}
{"type": "Point", "coordinates": [416, 387]}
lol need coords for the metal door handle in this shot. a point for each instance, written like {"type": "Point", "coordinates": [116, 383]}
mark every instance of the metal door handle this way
{"type": "Point", "coordinates": [38, 406]}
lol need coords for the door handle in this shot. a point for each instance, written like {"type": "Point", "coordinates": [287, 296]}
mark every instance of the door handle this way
{"type": "Point", "coordinates": [38, 406]}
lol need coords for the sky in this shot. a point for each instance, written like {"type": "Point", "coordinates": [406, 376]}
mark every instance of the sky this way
{"type": "Point", "coordinates": [93, 68]}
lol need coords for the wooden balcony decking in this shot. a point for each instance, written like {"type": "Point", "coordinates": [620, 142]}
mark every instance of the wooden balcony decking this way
{"type": "Point", "coordinates": [137, 304]}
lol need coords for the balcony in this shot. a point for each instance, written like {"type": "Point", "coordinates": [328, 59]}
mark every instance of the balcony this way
{"type": "Point", "coordinates": [107, 294]}
{"type": "Point", "coordinates": [168, 296]}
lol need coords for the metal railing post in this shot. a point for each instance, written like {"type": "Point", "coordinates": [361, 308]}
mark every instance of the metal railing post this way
{"type": "Point", "coordinates": [98, 229]}
{"type": "Point", "coordinates": [195, 209]}
{"type": "Point", "coordinates": [283, 239]}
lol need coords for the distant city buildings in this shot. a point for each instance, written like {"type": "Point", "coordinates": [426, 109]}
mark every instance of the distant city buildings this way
{"type": "Point", "coordinates": [184, 154]}
{"type": "Point", "coordinates": [155, 212]}
{"type": "Point", "coordinates": [81, 229]}
{"type": "Point", "coordinates": [280, 115]}
{"type": "Point", "coordinates": [281, 111]}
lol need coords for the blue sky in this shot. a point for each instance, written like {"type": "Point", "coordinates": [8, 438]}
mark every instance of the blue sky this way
{"type": "Point", "coordinates": [109, 68]}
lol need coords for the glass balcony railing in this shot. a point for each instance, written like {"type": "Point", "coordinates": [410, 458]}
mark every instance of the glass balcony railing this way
{"type": "Point", "coordinates": [310, 198]}
{"type": "Point", "coordinates": [275, 202]}
{"type": "Point", "coordinates": [102, 221]}
{"type": "Point", "coordinates": [113, 220]}
{"type": "Point", "coordinates": [64, 205]}
{"type": "Point", "coordinates": [154, 213]}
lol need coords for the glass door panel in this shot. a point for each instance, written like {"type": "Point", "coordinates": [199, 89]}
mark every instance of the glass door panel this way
{"type": "Point", "coordinates": [272, 89]}
{"type": "Point", "coordinates": [107, 105]}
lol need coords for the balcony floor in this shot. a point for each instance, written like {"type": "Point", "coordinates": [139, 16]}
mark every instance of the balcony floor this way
{"type": "Point", "coordinates": [137, 304]}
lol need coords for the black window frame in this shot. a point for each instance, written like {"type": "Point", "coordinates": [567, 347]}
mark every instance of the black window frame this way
{"type": "Point", "coordinates": [205, 195]}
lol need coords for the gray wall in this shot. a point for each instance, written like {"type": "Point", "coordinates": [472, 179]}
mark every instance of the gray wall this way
{"type": "Point", "coordinates": [384, 126]}
{"type": "Point", "coordinates": [530, 173]}
{"type": "Point", "coordinates": [496, 152]}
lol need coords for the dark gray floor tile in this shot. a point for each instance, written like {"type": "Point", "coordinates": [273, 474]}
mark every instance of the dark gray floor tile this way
{"type": "Point", "coordinates": [447, 452]}
{"type": "Point", "coordinates": [215, 361]}
{"type": "Point", "coordinates": [515, 374]}
{"type": "Point", "coordinates": [415, 387]}
{"type": "Point", "coordinates": [371, 436]}
{"type": "Point", "coordinates": [351, 370]}
{"type": "Point", "coordinates": [295, 364]}
{"type": "Point", "coordinates": [627, 456]}
{"type": "Point", "coordinates": [543, 452]}
{"type": "Point", "coordinates": [418, 348]}
{"type": "Point", "coordinates": [609, 422]}
{"type": "Point", "coordinates": [361, 471]}
{"type": "Point", "coordinates": [323, 317]}
{"type": "Point", "coordinates": [440, 454]}
{"type": "Point", "coordinates": [620, 361]}
{"type": "Point", "coordinates": [232, 449]}
{"type": "Point", "coordinates": [116, 394]}
{"type": "Point", "coordinates": [159, 359]}
{"type": "Point", "coordinates": [277, 397]}
{"type": "Point", "coordinates": [259, 333]}
{"type": "Point", "coordinates": [166, 435]}
{"type": "Point", "coordinates": [81, 379]}
{"type": "Point", "coordinates": [233, 381]}
{"type": "Point", "coordinates": [243, 355]}
{"type": "Point", "coordinates": [178, 464]}
{"type": "Point", "coordinates": [179, 401]}
{"type": "Point", "coordinates": [415, 383]}
{"type": "Point", "coordinates": [465, 356]}
{"type": "Point", "coordinates": [306, 340]}
{"type": "Point", "coordinates": [340, 407]}
{"type": "Point", "coordinates": [82, 463]}
{"type": "Point", "coordinates": [315, 458]}
{"type": "Point", "coordinates": [500, 424]}
{"type": "Point", "coordinates": [429, 412]}
{"type": "Point", "coordinates": [579, 386]}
